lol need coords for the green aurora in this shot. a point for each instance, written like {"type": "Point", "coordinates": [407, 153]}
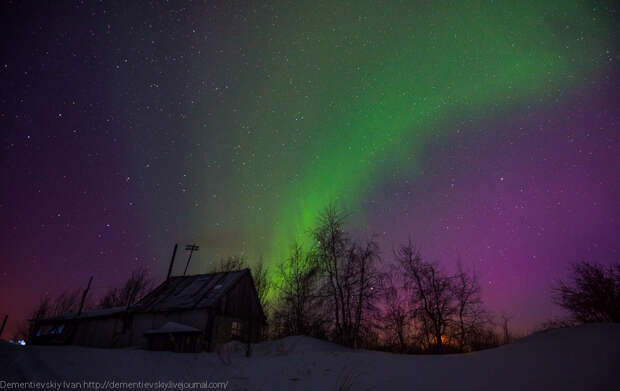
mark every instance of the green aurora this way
{"type": "Point", "coordinates": [372, 83]}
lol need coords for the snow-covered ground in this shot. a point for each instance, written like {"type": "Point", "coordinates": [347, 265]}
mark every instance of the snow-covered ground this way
{"type": "Point", "coordinates": [581, 358]}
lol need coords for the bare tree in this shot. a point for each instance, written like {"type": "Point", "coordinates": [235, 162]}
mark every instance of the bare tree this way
{"type": "Point", "coordinates": [484, 338]}
{"type": "Point", "coordinates": [262, 283]}
{"type": "Point", "coordinates": [130, 292]}
{"type": "Point", "coordinates": [395, 313]}
{"type": "Point", "coordinates": [43, 309]}
{"type": "Point", "coordinates": [471, 317]}
{"type": "Point", "coordinates": [296, 282]}
{"type": "Point", "coordinates": [367, 282]}
{"type": "Point", "coordinates": [67, 302]}
{"type": "Point", "coordinates": [230, 264]}
{"type": "Point", "coordinates": [349, 271]}
{"type": "Point", "coordinates": [110, 299]}
{"type": "Point", "coordinates": [332, 242]}
{"type": "Point", "coordinates": [555, 323]}
{"type": "Point", "coordinates": [506, 335]}
{"type": "Point", "coordinates": [592, 294]}
{"type": "Point", "coordinates": [431, 299]}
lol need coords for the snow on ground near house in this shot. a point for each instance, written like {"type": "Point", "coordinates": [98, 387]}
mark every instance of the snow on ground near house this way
{"type": "Point", "coordinates": [581, 358]}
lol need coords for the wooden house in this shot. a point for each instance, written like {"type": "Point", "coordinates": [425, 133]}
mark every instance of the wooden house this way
{"type": "Point", "coordinates": [184, 313]}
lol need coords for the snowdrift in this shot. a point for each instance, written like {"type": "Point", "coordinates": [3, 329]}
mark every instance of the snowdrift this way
{"type": "Point", "coordinates": [581, 358]}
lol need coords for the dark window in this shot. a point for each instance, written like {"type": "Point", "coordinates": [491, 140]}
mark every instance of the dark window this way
{"type": "Point", "coordinates": [236, 329]}
{"type": "Point", "coordinates": [58, 329]}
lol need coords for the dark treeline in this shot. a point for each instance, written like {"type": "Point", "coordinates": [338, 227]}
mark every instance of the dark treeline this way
{"type": "Point", "coordinates": [127, 293]}
{"type": "Point", "coordinates": [591, 294]}
{"type": "Point", "coordinates": [340, 289]}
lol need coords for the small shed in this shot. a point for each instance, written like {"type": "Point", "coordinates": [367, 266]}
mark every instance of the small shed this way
{"type": "Point", "coordinates": [98, 328]}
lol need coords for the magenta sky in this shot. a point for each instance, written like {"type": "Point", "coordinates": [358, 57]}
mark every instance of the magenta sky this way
{"type": "Point", "coordinates": [518, 196]}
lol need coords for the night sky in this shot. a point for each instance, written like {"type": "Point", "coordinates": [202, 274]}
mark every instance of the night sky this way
{"type": "Point", "coordinates": [483, 131]}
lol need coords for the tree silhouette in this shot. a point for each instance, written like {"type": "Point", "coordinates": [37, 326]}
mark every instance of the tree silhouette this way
{"type": "Point", "coordinates": [592, 293]}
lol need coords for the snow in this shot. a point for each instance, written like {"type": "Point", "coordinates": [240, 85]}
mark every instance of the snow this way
{"type": "Point", "coordinates": [5, 344]}
{"type": "Point", "coordinates": [581, 358]}
{"type": "Point", "coordinates": [190, 292]}
{"type": "Point", "coordinates": [172, 327]}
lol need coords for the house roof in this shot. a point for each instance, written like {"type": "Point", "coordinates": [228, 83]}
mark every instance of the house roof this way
{"type": "Point", "coordinates": [178, 293]}
{"type": "Point", "coordinates": [173, 327]}
{"type": "Point", "coordinates": [189, 292]}
{"type": "Point", "coordinates": [88, 314]}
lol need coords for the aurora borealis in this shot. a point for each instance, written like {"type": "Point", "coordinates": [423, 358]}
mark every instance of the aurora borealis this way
{"type": "Point", "coordinates": [485, 131]}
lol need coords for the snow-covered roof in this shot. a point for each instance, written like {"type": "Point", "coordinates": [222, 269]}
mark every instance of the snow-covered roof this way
{"type": "Point", "coordinates": [89, 314]}
{"type": "Point", "coordinates": [178, 293]}
{"type": "Point", "coordinates": [173, 327]}
{"type": "Point", "coordinates": [189, 292]}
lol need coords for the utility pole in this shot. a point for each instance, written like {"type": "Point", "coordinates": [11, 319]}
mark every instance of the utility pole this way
{"type": "Point", "coordinates": [174, 252]}
{"type": "Point", "coordinates": [3, 324]}
{"type": "Point", "coordinates": [84, 296]}
{"type": "Point", "coordinates": [191, 248]}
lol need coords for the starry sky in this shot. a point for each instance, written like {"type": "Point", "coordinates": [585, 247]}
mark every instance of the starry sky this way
{"type": "Point", "coordinates": [484, 131]}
